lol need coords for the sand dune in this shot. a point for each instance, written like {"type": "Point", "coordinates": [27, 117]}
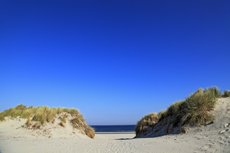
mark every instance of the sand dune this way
{"type": "Point", "coordinates": [211, 138]}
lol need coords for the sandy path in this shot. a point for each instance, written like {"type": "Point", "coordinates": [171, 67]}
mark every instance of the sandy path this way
{"type": "Point", "coordinates": [106, 143]}
{"type": "Point", "coordinates": [102, 143]}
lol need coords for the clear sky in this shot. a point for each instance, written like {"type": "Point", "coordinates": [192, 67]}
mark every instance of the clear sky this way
{"type": "Point", "coordinates": [114, 60]}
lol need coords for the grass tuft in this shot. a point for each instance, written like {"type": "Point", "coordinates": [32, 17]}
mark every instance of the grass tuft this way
{"type": "Point", "coordinates": [51, 114]}
{"type": "Point", "coordinates": [89, 131]}
{"type": "Point", "coordinates": [148, 120]}
{"type": "Point", "coordinates": [20, 107]}
{"type": "Point", "coordinates": [193, 111]}
{"type": "Point", "coordinates": [79, 123]}
{"type": "Point", "coordinates": [28, 123]}
{"type": "Point", "coordinates": [226, 93]}
{"type": "Point", "coordinates": [161, 114]}
{"type": "Point", "coordinates": [215, 91]}
{"type": "Point", "coordinates": [63, 118]}
{"type": "Point", "coordinates": [173, 109]}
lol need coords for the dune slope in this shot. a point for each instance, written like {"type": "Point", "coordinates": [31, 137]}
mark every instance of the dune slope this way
{"type": "Point", "coordinates": [211, 138]}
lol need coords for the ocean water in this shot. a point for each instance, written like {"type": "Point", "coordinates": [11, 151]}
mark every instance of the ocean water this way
{"type": "Point", "coordinates": [114, 128]}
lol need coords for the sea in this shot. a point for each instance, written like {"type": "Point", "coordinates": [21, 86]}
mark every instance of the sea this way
{"type": "Point", "coordinates": [114, 128]}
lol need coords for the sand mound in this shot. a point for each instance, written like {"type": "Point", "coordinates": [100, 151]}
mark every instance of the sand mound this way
{"type": "Point", "coordinates": [17, 127]}
{"type": "Point", "coordinates": [222, 119]}
{"type": "Point", "coordinates": [217, 133]}
{"type": "Point", "coordinates": [210, 138]}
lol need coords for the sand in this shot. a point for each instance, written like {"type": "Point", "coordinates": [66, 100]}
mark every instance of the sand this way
{"type": "Point", "coordinates": [211, 138]}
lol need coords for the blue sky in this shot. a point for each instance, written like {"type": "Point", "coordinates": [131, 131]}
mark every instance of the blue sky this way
{"type": "Point", "coordinates": [115, 61]}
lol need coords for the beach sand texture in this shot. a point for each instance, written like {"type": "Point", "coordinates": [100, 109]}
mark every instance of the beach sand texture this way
{"type": "Point", "coordinates": [211, 138]}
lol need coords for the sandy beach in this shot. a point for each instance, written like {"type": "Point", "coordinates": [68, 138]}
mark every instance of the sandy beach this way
{"type": "Point", "coordinates": [115, 143]}
{"type": "Point", "coordinates": [211, 138]}
{"type": "Point", "coordinates": [103, 143]}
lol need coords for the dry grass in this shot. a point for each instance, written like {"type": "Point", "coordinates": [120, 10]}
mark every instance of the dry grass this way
{"type": "Point", "coordinates": [28, 112]}
{"type": "Point", "coordinates": [51, 114]}
{"type": "Point", "coordinates": [226, 93]}
{"type": "Point", "coordinates": [12, 112]}
{"type": "Point", "coordinates": [63, 118]}
{"type": "Point", "coordinates": [79, 123]}
{"type": "Point", "coordinates": [61, 124]}
{"type": "Point", "coordinates": [193, 111]}
{"type": "Point", "coordinates": [44, 114]}
{"type": "Point", "coordinates": [148, 120]}
{"type": "Point", "coordinates": [59, 110]}
{"type": "Point", "coordinates": [28, 123]}
{"type": "Point", "coordinates": [161, 114]}
{"type": "Point", "coordinates": [215, 91]}
{"type": "Point", "coordinates": [89, 131]}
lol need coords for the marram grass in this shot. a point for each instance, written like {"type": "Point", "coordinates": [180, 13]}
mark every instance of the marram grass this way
{"type": "Point", "coordinates": [226, 93]}
{"type": "Point", "coordinates": [148, 120]}
{"type": "Point", "coordinates": [44, 114]}
{"type": "Point", "coordinates": [194, 110]}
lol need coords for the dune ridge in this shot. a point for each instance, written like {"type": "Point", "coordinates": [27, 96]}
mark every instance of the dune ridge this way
{"type": "Point", "coordinates": [45, 122]}
{"type": "Point", "coordinates": [214, 136]}
{"type": "Point", "coordinates": [210, 138]}
{"type": "Point", "coordinates": [182, 115]}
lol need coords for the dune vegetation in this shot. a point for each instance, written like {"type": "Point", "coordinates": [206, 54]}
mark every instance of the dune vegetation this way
{"type": "Point", "coordinates": [39, 116]}
{"type": "Point", "coordinates": [193, 111]}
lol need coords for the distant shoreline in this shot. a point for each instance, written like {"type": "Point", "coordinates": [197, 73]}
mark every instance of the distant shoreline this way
{"type": "Point", "coordinates": [133, 132]}
{"type": "Point", "coordinates": [114, 129]}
